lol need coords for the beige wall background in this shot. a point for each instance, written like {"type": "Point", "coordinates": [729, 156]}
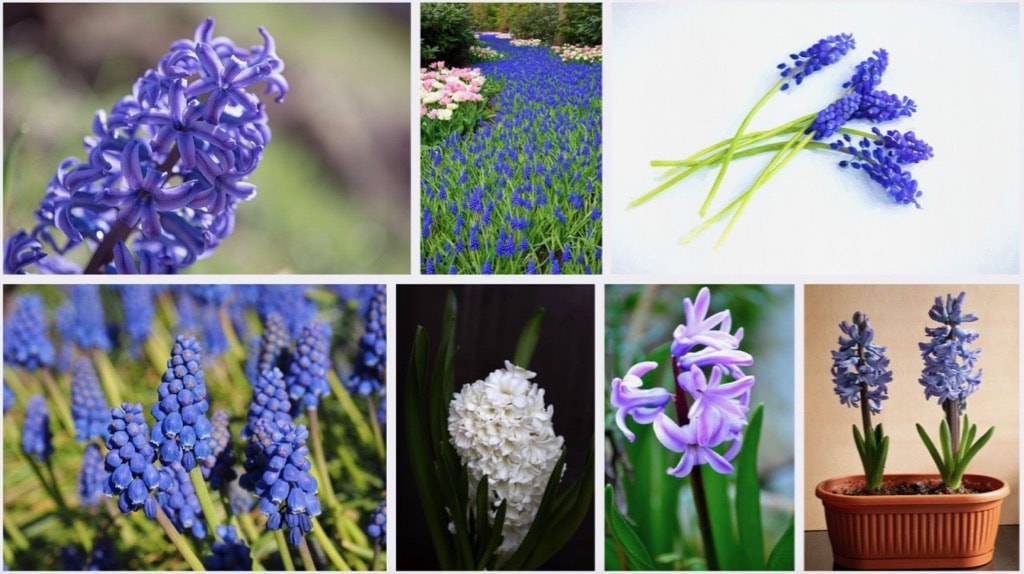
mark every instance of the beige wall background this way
{"type": "Point", "coordinates": [899, 314]}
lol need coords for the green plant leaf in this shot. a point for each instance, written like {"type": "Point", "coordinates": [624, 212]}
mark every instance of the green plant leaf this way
{"type": "Point", "coordinates": [878, 468]}
{"type": "Point", "coordinates": [975, 449]}
{"type": "Point", "coordinates": [569, 510]}
{"type": "Point", "coordinates": [456, 504]}
{"type": "Point", "coordinates": [625, 538]}
{"type": "Point", "coordinates": [947, 449]}
{"type": "Point", "coordinates": [716, 492]}
{"type": "Point", "coordinates": [783, 554]}
{"type": "Point", "coordinates": [483, 526]}
{"type": "Point", "coordinates": [861, 451]}
{"type": "Point", "coordinates": [486, 559]}
{"type": "Point", "coordinates": [528, 338]}
{"type": "Point", "coordinates": [931, 449]}
{"type": "Point", "coordinates": [440, 389]}
{"type": "Point", "coordinates": [748, 494]}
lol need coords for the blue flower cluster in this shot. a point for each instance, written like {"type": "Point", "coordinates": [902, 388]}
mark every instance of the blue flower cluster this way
{"type": "Point", "coordinates": [26, 343]}
{"type": "Point", "coordinates": [368, 375]}
{"type": "Point", "coordinates": [80, 319]}
{"type": "Point", "coordinates": [129, 464]}
{"type": "Point", "coordinates": [89, 408]}
{"type": "Point", "coordinates": [182, 432]}
{"type": "Point", "coordinates": [824, 52]}
{"type": "Point", "coordinates": [102, 557]}
{"type": "Point", "coordinates": [219, 468]}
{"type": "Point", "coordinates": [265, 350]}
{"type": "Point", "coordinates": [277, 471]}
{"type": "Point", "coordinates": [170, 160]}
{"type": "Point", "coordinates": [290, 302]}
{"type": "Point", "coordinates": [269, 401]}
{"type": "Point", "coordinates": [307, 373]}
{"type": "Point", "coordinates": [228, 553]}
{"type": "Point", "coordinates": [522, 193]}
{"type": "Point", "coordinates": [859, 366]}
{"type": "Point", "coordinates": [91, 477]}
{"type": "Point", "coordinates": [137, 301]}
{"type": "Point", "coordinates": [883, 159]}
{"type": "Point", "coordinates": [36, 438]}
{"type": "Point", "coordinates": [948, 372]}
{"type": "Point", "coordinates": [9, 398]}
{"type": "Point", "coordinates": [378, 527]}
{"type": "Point", "coordinates": [181, 503]}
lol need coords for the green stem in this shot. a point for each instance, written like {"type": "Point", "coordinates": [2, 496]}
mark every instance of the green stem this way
{"type": "Point", "coordinates": [282, 547]}
{"type": "Point", "coordinates": [378, 437]}
{"type": "Point", "coordinates": [773, 167]}
{"type": "Point", "coordinates": [249, 528]}
{"type": "Point", "coordinates": [307, 558]}
{"type": "Point", "coordinates": [178, 541]}
{"type": "Point", "coordinates": [13, 532]}
{"type": "Point", "coordinates": [318, 454]}
{"type": "Point", "coordinates": [732, 145]}
{"type": "Point", "coordinates": [109, 378]}
{"type": "Point", "coordinates": [746, 152]}
{"type": "Point", "coordinates": [205, 502]}
{"type": "Point", "coordinates": [700, 500]}
{"type": "Point", "coordinates": [328, 547]}
{"type": "Point", "coordinates": [360, 551]}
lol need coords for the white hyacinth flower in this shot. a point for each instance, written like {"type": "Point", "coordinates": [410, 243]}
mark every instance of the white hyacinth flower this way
{"type": "Point", "coordinates": [501, 428]}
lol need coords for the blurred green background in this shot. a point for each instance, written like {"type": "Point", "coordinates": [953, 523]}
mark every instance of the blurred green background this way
{"type": "Point", "coordinates": [333, 186]}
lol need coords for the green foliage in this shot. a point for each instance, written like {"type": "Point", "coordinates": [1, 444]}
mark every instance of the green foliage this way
{"type": "Point", "coordinates": [446, 33]}
{"type": "Point", "coordinates": [581, 24]}
{"type": "Point", "coordinates": [624, 538]}
{"type": "Point", "coordinates": [953, 464]}
{"type": "Point", "coordinates": [873, 450]}
{"type": "Point", "coordinates": [538, 21]}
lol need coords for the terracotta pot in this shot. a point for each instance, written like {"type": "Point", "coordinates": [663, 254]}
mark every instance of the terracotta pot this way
{"type": "Point", "coordinates": [912, 531]}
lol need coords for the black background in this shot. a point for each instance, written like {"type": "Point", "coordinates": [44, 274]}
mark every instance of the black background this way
{"type": "Point", "coordinates": [490, 318]}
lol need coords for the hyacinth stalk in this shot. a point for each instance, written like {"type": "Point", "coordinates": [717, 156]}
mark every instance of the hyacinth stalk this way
{"type": "Point", "coordinates": [860, 100]}
{"type": "Point", "coordinates": [949, 375]}
{"type": "Point", "coordinates": [860, 374]}
{"type": "Point", "coordinates": [467, 512]}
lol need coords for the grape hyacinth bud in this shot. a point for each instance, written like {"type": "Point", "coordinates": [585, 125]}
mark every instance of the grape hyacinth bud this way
{"type": "Point", "coordinates": [881, 106]}
{"type": "Point", "coordinates": [228, 553]}
{"type": "Point", "coordinates": [219, 468]}
{"type": "Point", "coordinates": [834, 116]}
{"type": "Point", "coordinates": [129, 464]}
{"type": "Point", "coordinates": [92, 476]}
{"type": "Point", "coordinates": [824, 52]}
{"type": "Point", "coordinates": [170, 160]}
{"type": "Point", "coordinates": [378, 527]}
{"type": "Point", "coordinates": [948, 372]}
{"type": "Point", "coordinates": [26, 343]}
{"type": "Point", "coordinates": [859, 367]}
{"type": "Point", "coordinates": [277, 471]}
{"type": "Point", "coordinates": [501, 428]}
{"type": "Point", "coordinates": [181, 503]}
{"type": "Point", "coordinates": [307, 373]}
{"type": "Point", "coordinates": [368, 375]}
{"type": "Point", "coordinates": [137, 302]}
{"type": "Point", "coordinates": [36, 438]}
{"type": "Point", "coordinates": [868, 73]}
{"type": "Point", "coordinates": [89, 408]}
{"type": "Point", "coordinates": [182, 431]}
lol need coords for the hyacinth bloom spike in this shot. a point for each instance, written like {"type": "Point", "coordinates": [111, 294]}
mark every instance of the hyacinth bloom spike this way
{"type": "Point", "coordinates": [36, 437]}
{"type": "Point", "coordinates": [859, 366]}
{"type": "Point", "coordinates": [218, 468]}
{"type": "Point", "coordinates": [368, 375]}
{"type": "Point", "coordinates": [26, 343]}
{"type": "Point", "coordinates": [182, 431]}
{"type": "Point", "coordinates": [824, 52]}
{"type": "Point", "coordinates": [129, 464]}
{"type": "Point", "coordinates": [307, 374]}
{"type": "Point", "coordinates": [89, 407]}
{"type": "Point", "coordinates": [630, 398]}
{"type": "Point", "coordinates": [949, 363]}
{"type": "Point", "coordinates": [91, 477]}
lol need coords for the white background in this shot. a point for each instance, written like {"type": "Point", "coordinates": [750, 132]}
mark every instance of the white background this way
{"type": "Point", "coordinates": [682, 76]}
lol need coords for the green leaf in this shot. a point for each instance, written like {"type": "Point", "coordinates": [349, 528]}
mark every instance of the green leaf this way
{"type": "Point", "coordinates": [931, 449]}
{"type": "Point", "coordinates": [569, 510]}
{"type": "Point", "coordinates": [878, 468]}
{"type": "Point", "coordinates": [483, 526]}
{"type": "Point", "coordinates": [625, 538]}
{"type": "Point", "coordinates": [947, 449]}
{"type": "Point", "coordinates": [456, 504]}
{"type": "Point", "coordinates": [440, 393]}
{"type": "Point", "coordinates": [783, 555]}
{"type": "Point", "coordinates": [859, 441]}
{"type": "Point", "coordinates": [716, 493]}
{"type": "Point", "coordinates": [528, 338]}
{"type": "Point", "coordinates": [494, 539]}
{"type": "Point", "coordinates": [748, 494]}
{"type": "Point", "coordinates": [975, 449]}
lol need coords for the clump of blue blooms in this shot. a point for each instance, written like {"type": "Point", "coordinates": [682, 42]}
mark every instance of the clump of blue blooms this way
{"type": "Point", "coordinates": [368, 375]}
{"type": "Point", "coordinates": [131, 473]}
{"type": "Point", "coordinates": [182, 432]}
{"type": "Point", "coordinates": [169, 163]}
{"type": "Point", "coordinates": [860, 373]}
{"type": "Point", "coordinates": [26, 343]}
{"type": "Point", "coordinates": [378, 526]}
{"type": "Point", "coordinates": [307, 373]}
{"type": "Point", "coordinates": [101, 558]}
{"type": "Point", "coordinates": [89, 408]}
{"type": "Point", "coordinates": [91, 477]}
{"type": "Point", "coordinates": [81, 320]}
{"type": "Point", "coordinates": [181, 504]}
{"type": "Point", "coordinates": [949, 375]}
{"type": "Point", "coordinates": [36, 437]}
{"type": "Point", "coordinates": [219, 468]}
{"type": "Point", "coordinates": [290, 302]}
{"type": "Point", "coordinates": [269, 401]}
{"type": "Point", "coordinates": [277, 471]}
{"type": "Point", "coordinates": [711, 396]}
{"type": "Point", "coordinates": [882, 158]}
{"type": "Point", "coordinates": [137, 302]}
{"type": "Point", "coordinates": [228, 553]}
{"type": "Point", "coordinates": [265, 352]}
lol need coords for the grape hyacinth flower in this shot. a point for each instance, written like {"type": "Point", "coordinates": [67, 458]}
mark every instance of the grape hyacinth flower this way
{"type": "Point", "coordinates": [269, 401]}
{"type": "Point", "coordinates": [182, 432]}
{"type": "Point", "coordinates": [860, 375]}
{"type": "Point", "coordinates": [277, 470]}
{"type": "Point", "coordinates": [137, 303]}
{"type": "Point", "coordinates": [170, 160]}
{"type": "Point", "coordinates": [83, 321]}
{"type": "Point", "coordinates": [378, 527]}
{"type": "Point", "coordinates": [291, 302]}
{"type": "Point", "coordinates": [181, 503]}
{"type": "Point", "coordinates": [91, 477]}
{"type": "Point", "coordinates": [26, 343]}
{"type": "Point", "coordinates": [266, 350]}
{"type": "Point", "coordinates": [228, 553]}
{"type": "Point", "coordinates": [9, 398]}
{"type": "Point", "coordinates": [368, 375]}
{"type": "Point", "coordinates": [219, 468]}
{"type": "Point", "coordinates": [824, 52]}
{"type": "Point", "coordinates": [89, 408]}
{"type": "Point", "coordinates": [307, 373]}
{"type": "Point", "coordinates": [36, 438]}
{"type": "Point", "coordinates": [883, 159]}
{"type": "Point", "coordinates": [501, 428]}
{"type": "Point", "coordinates": [131, 473]}
{"type": "Point", "coordinates": [101, 558]}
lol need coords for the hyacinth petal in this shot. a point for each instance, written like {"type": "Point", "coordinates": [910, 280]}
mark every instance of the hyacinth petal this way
{"type": "Point", "coordinates": [674, 437]}
{"type": "Point", "coordinates": [717, 462]}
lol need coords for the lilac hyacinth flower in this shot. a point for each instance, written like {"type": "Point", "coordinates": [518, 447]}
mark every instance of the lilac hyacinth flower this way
{"type": "Point", "coordinates": [630, 398]}
{"type": "Point", "coordinates": [824, 52]}
{"type": "Point", "coordinates": [859, 366]}
{"type": "Point", "coordinates": [948, 372]}
{"type": "Point", "coordinates": [182, 432]}
{"type": "Point", "coordinates": [129, 464]}
{"type": "Point", "coordinates": [89, 408]}
{"type": "Point", "coordinates": [36, 437]}
{"type": "Point", "coordinates": [696, 442]}
{"type": "Point", "coordinates": [277, 470]}
{"type": "Point", "coordinates": [91, 477]}
{"type": "Point", "coordinates": [169, 160]}
{"type": "Point", "coordinates": [26, 343]}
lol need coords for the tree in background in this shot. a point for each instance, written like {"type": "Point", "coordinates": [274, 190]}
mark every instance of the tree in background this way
{"type": "Point", "coordinates": [446, 33]}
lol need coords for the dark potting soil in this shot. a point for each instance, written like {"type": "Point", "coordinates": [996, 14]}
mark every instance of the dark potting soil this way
{"type": "Point", "coordinates": [911, 488]}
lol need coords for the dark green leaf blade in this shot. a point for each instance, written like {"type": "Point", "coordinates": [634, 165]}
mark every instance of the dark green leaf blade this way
{"type": "Point", "coordinates": [528, 338]}
{"type": "Point", "coordinates": [625, 538]}
{"type": "Point", "coordinates": [748, 494]}
{"type": "Point", "coordinates": [783, 556]}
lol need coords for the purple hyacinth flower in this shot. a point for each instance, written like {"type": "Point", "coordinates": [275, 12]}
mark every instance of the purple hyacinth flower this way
{"type": "Point", "coordinates": [696, 441]}
{"type": "Point", "coordinates": [860, 366]}
{"type": "Point", "coordinates": [948, 373]}
{"type": "Point", "coordinates": [630, 398]}
{"type": "Point", "coordinates": [711, 393]}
